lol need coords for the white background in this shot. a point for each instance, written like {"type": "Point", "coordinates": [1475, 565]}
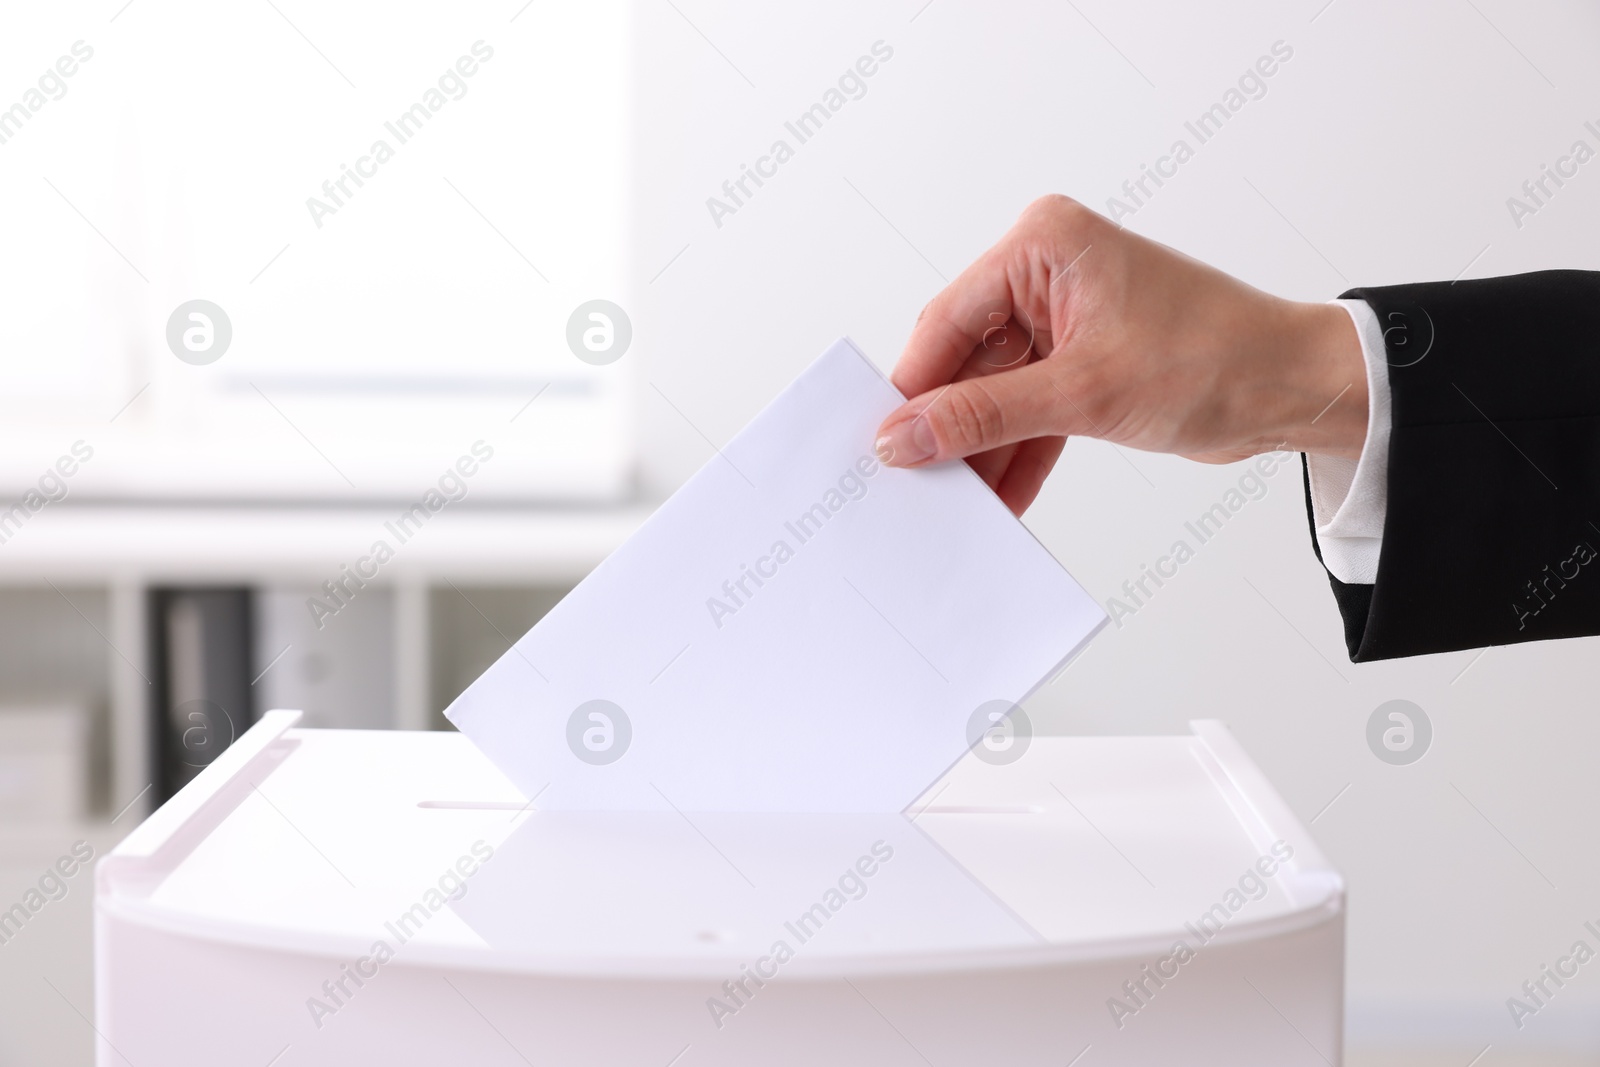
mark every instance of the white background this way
{"type": "Point", "coordinates": [1390, 141]}
{"type": "Point", "coordinates": [371, 345]}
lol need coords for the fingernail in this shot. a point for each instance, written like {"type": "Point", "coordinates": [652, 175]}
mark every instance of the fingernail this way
{"type": "Point", "coordinates": [906, 444]}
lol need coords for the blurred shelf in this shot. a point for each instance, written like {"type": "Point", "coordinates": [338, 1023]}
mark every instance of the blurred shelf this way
{"type": "Point", "coordinates": [103, 542]}
{"type": "Point", "coordinates": [459, 586]}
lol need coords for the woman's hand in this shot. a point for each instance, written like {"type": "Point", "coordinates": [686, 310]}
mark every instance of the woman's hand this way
{"type": "Point", "coordinates": [1071, 325]}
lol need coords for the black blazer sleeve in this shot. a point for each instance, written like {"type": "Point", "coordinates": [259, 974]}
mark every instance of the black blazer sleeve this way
{"type": "Point", "coordinates": [1493, 520]}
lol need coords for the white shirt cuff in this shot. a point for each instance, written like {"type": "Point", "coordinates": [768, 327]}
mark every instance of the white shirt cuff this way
{"type": "Point", "coordinates": [1350, 498]}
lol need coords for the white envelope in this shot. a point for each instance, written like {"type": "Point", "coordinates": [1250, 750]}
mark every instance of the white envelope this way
{"type": "Point", "coordinates": [797, 629]}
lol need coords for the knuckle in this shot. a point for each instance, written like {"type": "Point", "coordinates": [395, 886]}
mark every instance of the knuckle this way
{"type": "Point", "coordinates": [971, 416]}
{"type": "Point", "coordinates": [1086, 392]}
{"type": "Point", "coordinates": [935, 314]}
{"type": "Point", "coordinates": [1057, 207]}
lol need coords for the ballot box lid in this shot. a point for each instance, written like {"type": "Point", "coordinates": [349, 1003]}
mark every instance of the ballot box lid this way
{"type": "Point", "coordinates": [327, 842]}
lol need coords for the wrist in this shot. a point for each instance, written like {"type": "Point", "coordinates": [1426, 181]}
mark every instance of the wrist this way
{"type": "Point", "coordinates": [1325, 392]}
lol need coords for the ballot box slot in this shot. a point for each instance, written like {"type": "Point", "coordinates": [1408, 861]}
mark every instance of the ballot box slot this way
{"type": "Point", "coordinates": [475, 805]}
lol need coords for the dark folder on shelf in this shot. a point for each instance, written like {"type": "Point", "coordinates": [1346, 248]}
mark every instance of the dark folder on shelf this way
{"type": "Point", "coordinates": [200, 650]}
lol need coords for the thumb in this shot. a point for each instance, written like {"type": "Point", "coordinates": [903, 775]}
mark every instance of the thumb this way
{"type": "Point", "coordinates": [975, 415]}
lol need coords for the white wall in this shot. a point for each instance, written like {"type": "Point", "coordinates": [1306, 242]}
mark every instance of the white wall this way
{"type": "Point", "coordinates": [186, 159]}
{"type": "Point", "coordinates": [1390, 141]}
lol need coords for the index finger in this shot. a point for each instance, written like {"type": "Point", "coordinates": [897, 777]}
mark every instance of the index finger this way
{"type": "Point", "coordinates": [953, 325]}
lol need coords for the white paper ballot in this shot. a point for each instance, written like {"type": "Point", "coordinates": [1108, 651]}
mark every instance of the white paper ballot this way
{"type": "Point", "coordinates": [797, 629]}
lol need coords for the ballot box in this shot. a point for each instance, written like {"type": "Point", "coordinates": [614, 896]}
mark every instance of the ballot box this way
{"type": "Point", "coordinates": [339, 897]}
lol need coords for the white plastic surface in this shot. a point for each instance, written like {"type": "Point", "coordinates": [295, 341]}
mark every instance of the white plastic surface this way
{"type": "Point", "coordinates": [1084, 848]}
{"type": "Point", "coordinates": [1005, 918]}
